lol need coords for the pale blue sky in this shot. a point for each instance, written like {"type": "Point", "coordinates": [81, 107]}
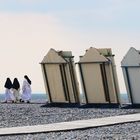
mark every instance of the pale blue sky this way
{"type": "Point", "coordinates": [32, 27]}
{"type": "Point", "coordinates": [98, 14]}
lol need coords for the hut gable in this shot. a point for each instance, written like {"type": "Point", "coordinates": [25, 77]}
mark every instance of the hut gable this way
{"type": "Point", "coordinates": [132, 58]}
{"type": "Point", "coordinates": [93, 55]}
{"type": "Point", "coordinates": [53, 57]}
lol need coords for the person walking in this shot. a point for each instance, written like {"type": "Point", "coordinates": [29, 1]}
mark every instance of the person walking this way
{"type": "Point", "coordinates": [9, 97]}
{"type": "Point", "coordinates": [16, 90]}
{"type": "Point", "coordinates": [26, 90]}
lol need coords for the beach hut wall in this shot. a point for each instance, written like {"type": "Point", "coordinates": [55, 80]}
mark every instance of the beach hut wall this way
{"type": "Point", "coordinates": [98, 75]}
{"type": "Point", "coordinates": [60, 77]}
{"type": "Point", "coordinates": [131, 71]}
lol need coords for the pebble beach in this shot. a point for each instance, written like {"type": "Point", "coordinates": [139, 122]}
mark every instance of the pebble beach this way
{"type": "Point", "coordinates": [12, 115]}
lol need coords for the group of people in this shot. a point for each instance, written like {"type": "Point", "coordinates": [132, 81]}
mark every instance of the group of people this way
{"type": "Point", "coordinates": [12, 90]}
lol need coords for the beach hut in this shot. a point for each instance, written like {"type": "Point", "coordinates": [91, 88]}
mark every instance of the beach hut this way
{"type": "Point", "coordinates": [98, 76]}
{"type": "Point", "coordinates": [60, 77]}
{"type": "Point", "coordinates": [131, 72]}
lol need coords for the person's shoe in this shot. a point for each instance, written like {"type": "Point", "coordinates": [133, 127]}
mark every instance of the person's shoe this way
{"type": "Point", "coordinates": [13, 101]}
{"type": "Point", "coordinates": [28, 101]}
{"type": "Point", "coordinates": [22, 101]}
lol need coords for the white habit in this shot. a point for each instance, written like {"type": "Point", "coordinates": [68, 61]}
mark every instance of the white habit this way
{"type": "Point", "coordinates": [16, 94]}
{"type": "Point", "coordinates": [9, 95]}
{"type": "Point", "coordinates": [26, 91]}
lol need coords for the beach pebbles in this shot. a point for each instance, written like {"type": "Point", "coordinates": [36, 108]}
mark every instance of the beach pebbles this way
{"type": "Point", "coordinates": [12, 115]}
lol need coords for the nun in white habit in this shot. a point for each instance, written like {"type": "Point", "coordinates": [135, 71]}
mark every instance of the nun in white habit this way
{"type": "Point", "coordinates": [9, 97]}
{"type": "Point", "coordinates": [16, 89]}
{"type": "Point", "coordinates": [26, 90]}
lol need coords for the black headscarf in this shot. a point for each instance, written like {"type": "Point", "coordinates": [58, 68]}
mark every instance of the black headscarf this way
{"type": "Point", "coordinates": [16, 84]}
{"type": "Point", "coordinates": [8, 83]}
{"type": "Point", "coordinates": [28, 80]}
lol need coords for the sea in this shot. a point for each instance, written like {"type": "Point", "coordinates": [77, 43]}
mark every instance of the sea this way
{"type": "Point", "coordinates": [42, 97]}
{"type": "Point", "coordinates": [38, 97]}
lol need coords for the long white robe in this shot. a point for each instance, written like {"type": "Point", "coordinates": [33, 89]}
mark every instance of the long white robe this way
{"type": "Point", "coordinates": [9, 95]}
{"type": "Point", "coordinates": [26, 91]}
{"type": "Point", "coordinates": [16, 94]}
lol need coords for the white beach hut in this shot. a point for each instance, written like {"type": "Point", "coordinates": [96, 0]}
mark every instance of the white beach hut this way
{"type": "Point", "coordinates": [60, 77]}
{"type": "Point", "coordinates": [98, 75]}
{"type": "Point", "coordinates": [131, 72]}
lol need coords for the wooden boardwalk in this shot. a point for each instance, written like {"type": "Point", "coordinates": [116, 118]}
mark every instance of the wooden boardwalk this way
{"type": "Point", "coordinates": [73, 125]}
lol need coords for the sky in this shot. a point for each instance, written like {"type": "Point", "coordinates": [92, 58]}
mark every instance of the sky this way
{"type": "Point", "coordinates": [29, 28]}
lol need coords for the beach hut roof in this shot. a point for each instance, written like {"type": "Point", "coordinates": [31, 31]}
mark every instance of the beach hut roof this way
{"type": "Point", "coordinates": [93, 55]}
{"type": "Point", "coordinates": [132, 58]}
{"type": "Point", "coordinates": [53, 57]}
